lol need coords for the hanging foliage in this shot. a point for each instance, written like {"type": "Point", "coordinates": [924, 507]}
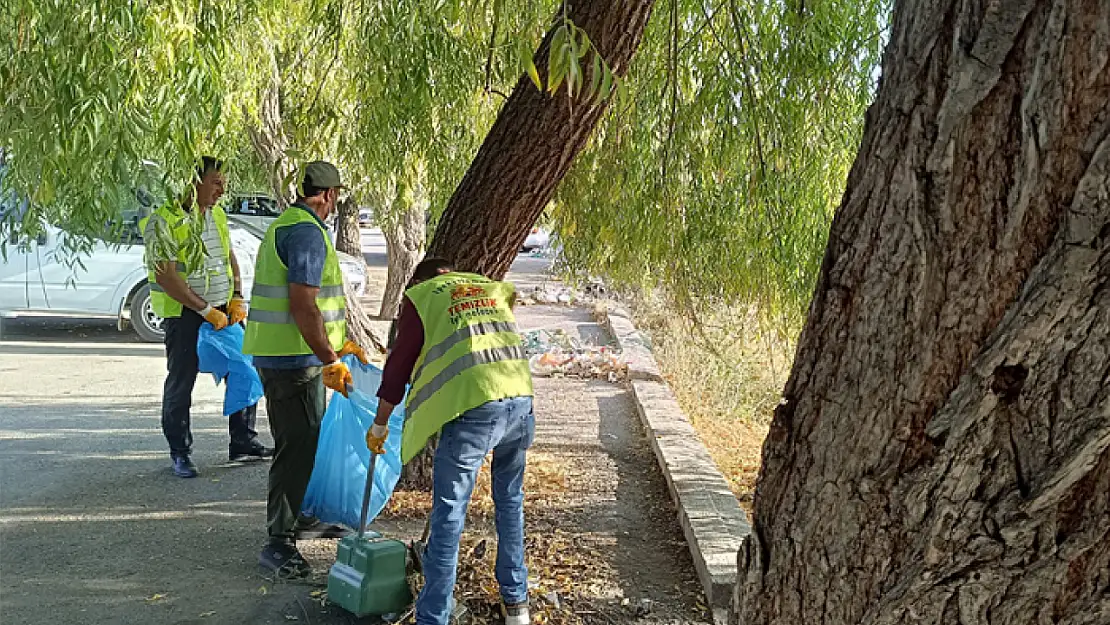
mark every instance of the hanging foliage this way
{"type": "Point", "coordinates": [719, 179]}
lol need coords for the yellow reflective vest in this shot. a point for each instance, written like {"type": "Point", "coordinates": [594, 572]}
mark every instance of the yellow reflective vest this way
{"type": "Point", "coordinates": [271, 330]}
{"type": "Point", "coordinates": [176, 219]}
{"type": "Point", "coordinates": [472, 353]}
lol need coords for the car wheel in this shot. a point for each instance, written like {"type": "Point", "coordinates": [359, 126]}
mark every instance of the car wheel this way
{"type": "Point", "coordinates": [147, 323]}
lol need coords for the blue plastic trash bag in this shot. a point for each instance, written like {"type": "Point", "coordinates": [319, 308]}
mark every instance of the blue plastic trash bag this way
{"type": "Point", "coordinates": [221, 354]}
{"type": "Point", "coordinates": [335, 490]}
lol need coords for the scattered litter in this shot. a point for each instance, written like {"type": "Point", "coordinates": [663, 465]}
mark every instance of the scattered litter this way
{"type": "Point", "coordinates": [207, 614]}
{"type": "Point", "coordinates": [156, 597]}
{"type": "Point", "coordinates": [553, 598]}
{"type": "Point", "coordinates": [554, 353]}
{"type": "Point", "coordinates": [479, 551]}
{"type": "Point", "coordinates": [554, 293]}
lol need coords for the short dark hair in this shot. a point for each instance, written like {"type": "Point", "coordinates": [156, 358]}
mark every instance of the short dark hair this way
{"type": "Point", "coordinates": [429, 268]}
{"type": "Point", "coordinates": [308, 191]}
{"type": "Point", "coordinates": [207, 164]}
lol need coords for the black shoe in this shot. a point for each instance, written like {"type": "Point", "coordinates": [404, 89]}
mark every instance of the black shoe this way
{"type": "Point", "coordinates": [184, 467]}
{"type": "Point", "coordinates": [257, 451]}
{"type": "Point", "coordinates": [315, 530]}
{"type": "Point", "coordinates": [285, 560]}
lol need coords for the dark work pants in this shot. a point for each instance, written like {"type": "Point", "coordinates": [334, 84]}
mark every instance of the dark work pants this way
{"type": "Point", "coordinates": [177, 395]}
{"type": "Point", "coordinates": [295, 406]}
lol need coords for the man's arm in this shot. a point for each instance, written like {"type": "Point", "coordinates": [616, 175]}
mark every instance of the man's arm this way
{"type": "Point", "coordinates": [306, 314]}
{"type": "Point", "coordinates": [385, 410]}
{"type": "Point", "coordinates": [236, 281]}
{"type": "Point", "coordinates": [401, 362]}
{"type": "Point", "coordinates": [165, 274]}
{"type": "Point", "coordinates": [165, 269]}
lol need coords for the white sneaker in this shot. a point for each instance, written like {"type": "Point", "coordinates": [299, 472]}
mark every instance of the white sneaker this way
{"type": "Point", "coordinates": [516, 614]}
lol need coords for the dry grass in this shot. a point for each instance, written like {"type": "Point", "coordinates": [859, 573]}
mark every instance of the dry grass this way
{"type": "Point", "coordinates": [545, 482]}
{"type": "Point", "coordinates": [562, 563]}
{"type": "Point", "coordinates": [727, 376]}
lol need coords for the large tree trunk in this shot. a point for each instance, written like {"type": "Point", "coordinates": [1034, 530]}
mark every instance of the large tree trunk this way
{"type": "Point", "coordinates": [531, 147]}
{"type": "Point", "coordinates": [404, 243]}
{"type": "Point", "coordinates": [942, 450]}
{"type": "Point", "coordinates": [267, 136]}
{"type": "Point", "coordinates": [348, 237]}
{"type": "Point", "coordinates": [358, 324]}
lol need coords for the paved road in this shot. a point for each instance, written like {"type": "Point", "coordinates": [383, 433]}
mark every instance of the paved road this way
{"type": "Point", "coordinates": [95, 529]}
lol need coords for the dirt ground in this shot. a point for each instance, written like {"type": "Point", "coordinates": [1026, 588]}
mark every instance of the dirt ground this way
{"type": "Point", "coordinates": [95, 529]}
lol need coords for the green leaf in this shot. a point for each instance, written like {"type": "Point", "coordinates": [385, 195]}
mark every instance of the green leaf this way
{"type": "Point", "coordinates": [595, 78]}
{"type": "Point", "coordinates": [584, 44]}
{"type": "Point", "coordinates": [534, 74]}
{"type": "Point", "coordinates": [557, 62]}
{"type": "Point", "coordinates": [606, 85]}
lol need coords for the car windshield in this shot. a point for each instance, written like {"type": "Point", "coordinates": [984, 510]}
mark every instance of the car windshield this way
{"type": "Point", "coordinates": [254, 205]}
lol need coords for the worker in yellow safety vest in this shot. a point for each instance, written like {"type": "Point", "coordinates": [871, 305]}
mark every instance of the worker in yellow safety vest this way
{"type": "Point", "coordinates": [297, 333]}
{"type": "Point", "coordinates": [187, 297]}
{"type": "Point", "coordinates": [458, 346]}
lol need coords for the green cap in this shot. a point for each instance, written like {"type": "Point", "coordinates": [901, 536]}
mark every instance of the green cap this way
{"type": "Point", "coordinates": [322, 175]}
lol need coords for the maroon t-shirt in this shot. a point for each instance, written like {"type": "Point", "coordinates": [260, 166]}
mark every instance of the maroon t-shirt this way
{"type": "Point", "coordinates": [405, 352]}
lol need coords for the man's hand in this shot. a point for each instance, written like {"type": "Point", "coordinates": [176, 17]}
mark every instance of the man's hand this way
{"type": "Point", "coordinates": [236, 310]}
{"type": "Point", "coordinates": [375, 438]}
{"type": "Point", "coordinates": [337, 377]}
{"type": "Point", "coordinates": [213, 316]}
{"type": "Point", "coordinates": [350, 347]}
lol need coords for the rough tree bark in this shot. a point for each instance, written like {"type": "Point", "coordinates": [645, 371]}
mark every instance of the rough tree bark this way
{"type": "Point", "coordinates": [348, 238]}
{"type": "Point", "coordinates": [267, 136]}
{"type": "Point", "coordinates": [531, 147]}
{"type": "Point", "coordinates": [942, 450]}
{"type": "Point", "coordinates": [404, 243]}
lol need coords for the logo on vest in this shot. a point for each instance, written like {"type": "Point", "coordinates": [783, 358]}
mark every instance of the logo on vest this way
{"type": "Point", "coordinates": [470, 300]}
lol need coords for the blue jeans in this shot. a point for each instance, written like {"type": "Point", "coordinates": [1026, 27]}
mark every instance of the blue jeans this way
{"type": "Point", "coordinates": [505, 427]}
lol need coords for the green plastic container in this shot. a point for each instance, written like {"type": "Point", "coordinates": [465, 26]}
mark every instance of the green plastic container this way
{"type": "Point", "coordinates": [370, 576]}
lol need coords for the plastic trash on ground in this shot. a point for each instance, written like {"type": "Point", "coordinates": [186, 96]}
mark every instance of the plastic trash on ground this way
{"type": "Point", "coordinates": [556, 293]}
{"type": "Point", "coordinates": [221, 354]}
{"type": "Point", "coordinates": [554, 353]}
{"type": "Point", "coordinates": [335, 489]}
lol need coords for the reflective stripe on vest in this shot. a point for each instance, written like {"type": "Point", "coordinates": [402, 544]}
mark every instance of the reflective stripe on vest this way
{"type": "Point", "coordinates": [472, 354]}
{"type": "Point", "coordinates": [271, 329]}
{"type": "Point", "coordinates": [437, 351]}
{"type": "Point", "coordinates": [176, 219]}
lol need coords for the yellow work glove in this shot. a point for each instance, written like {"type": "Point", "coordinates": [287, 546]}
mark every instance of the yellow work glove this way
{"type": "Point", "coordinates": [375, 438]}
{"type": "Point", "coordinates": [337, 377]}
{"type": "Point", "coordinates": [236, 310]}
{"type": "Point", "coordinates": [213, 316]}
{"type": "Point", "coordinates": [350, 347]}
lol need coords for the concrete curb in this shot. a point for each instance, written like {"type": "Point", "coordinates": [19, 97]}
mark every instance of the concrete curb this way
{"type": "Point", "coordinates": [708, 512]}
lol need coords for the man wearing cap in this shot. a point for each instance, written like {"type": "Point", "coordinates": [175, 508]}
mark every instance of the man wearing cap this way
{"type": "Point", "coordinates": [459, 351]}
{"type": "Point", "coordinates": [297, 333]}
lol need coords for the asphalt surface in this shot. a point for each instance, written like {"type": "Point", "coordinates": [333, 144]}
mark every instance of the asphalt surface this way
{"type": "Point", "coordinates": [94, 528]}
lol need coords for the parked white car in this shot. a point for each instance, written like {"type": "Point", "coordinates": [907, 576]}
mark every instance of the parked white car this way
{"type": "Point", "coordinates": [537, 239]}
{"type": "Point", "coordinates": [256, 209]}
{"type": "Point", "coordinates": [36, 279]}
